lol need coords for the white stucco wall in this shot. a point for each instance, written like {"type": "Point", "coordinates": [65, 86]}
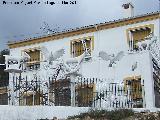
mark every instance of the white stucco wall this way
{"type": "Point", "coordinates": [109, 40]}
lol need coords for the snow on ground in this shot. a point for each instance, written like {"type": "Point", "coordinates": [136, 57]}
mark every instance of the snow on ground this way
{"type": "Point", "coordinates": [38, 112]}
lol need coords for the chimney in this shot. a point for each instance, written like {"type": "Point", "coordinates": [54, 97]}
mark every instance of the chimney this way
{"type": "Point", "coordinates": [128, 9]}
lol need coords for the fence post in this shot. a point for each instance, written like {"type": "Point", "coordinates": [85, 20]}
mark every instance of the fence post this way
{"type": "Point", "coordinates": [72, 78]}
{"type": "Point", "coordinates": [143, 94]}
{"type": "Point", "coordinates": [12, 90]}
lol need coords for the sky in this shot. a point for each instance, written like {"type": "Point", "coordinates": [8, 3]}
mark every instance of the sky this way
{"type": "Point", "coordinates": [20, 21]}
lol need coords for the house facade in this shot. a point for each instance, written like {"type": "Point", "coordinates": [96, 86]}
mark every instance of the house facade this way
{"type": "Point", "coordinates": [121, 55]}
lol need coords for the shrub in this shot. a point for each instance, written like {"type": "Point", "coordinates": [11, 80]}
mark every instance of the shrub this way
{"type": "Point", "coordinates": [119, 114]}
{"type": "Point", "coordinates": [101, 114]}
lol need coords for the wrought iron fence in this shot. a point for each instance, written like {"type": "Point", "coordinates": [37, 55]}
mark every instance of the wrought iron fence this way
{"type": "Point", "coordinates": [83, 92]}
{"type": "Point", "coordinates": [97, 93]}
{"type": "Point", "coordinates": [60, 92]}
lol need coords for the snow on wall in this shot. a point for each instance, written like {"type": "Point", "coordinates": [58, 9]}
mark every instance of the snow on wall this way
{"type": "Point", "coordinates": [38, 112]}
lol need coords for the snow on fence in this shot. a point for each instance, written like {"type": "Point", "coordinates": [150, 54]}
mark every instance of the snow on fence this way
{"type": "Point", "coordinates": [82, 92]}
{"type": "Point", "coordinates": [98, 93]}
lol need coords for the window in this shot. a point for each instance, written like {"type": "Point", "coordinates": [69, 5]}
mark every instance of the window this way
{"type": "Point", "coordinates": [133, 87]}
{"type": "Point", "coordinates": [138, 34]}
{"type": "Point", "coordinates": [3, 96]}
{"type": "Point", "coordinates": [27, 99]}
{"type": "Point", "coordinates": [60, 92]}
{"type": "Point", "coordinates": [85, 94]}
{"type": "Point", "coordinates": [77, 47]}
{"type": "Point", "coordinates": [34, 61]}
